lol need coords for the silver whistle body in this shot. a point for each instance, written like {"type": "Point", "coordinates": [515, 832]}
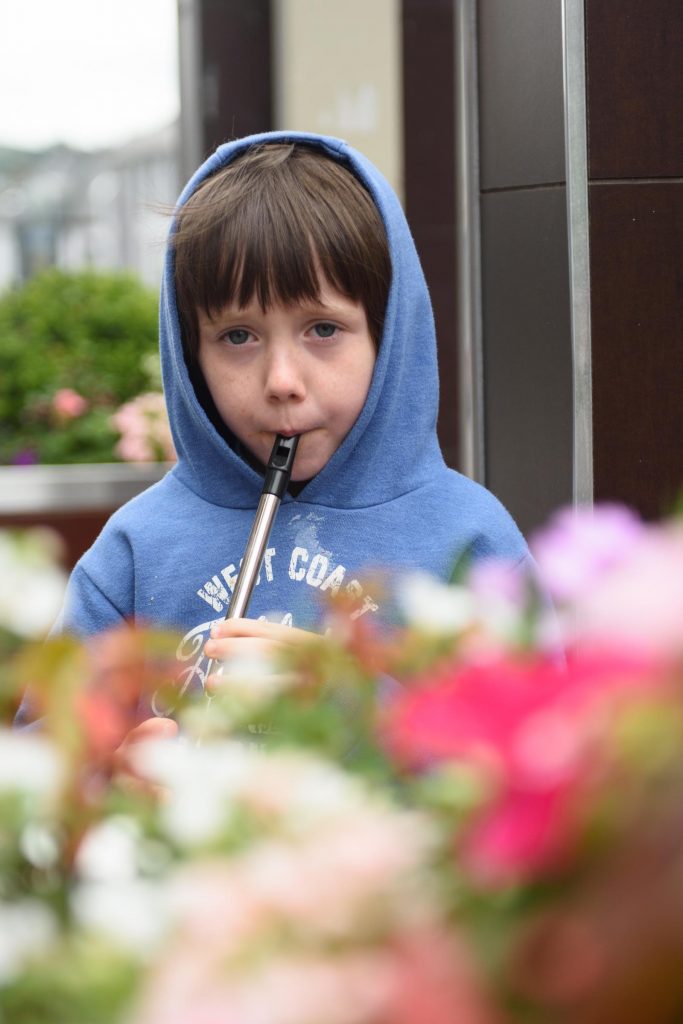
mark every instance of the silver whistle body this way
{"type": "Point", "coordinates": [278, 473]}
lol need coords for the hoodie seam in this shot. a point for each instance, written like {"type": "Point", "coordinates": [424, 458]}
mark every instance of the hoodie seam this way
{"type": "Point", "coordinates": [361, 508]}
{"type": "Point", "coordinates": [207, 501]}
{"type": "Point", "coordinates": [100, 591]}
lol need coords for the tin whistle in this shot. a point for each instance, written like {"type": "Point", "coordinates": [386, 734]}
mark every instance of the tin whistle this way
{"type": "Point", "coordinates": [278, 473]}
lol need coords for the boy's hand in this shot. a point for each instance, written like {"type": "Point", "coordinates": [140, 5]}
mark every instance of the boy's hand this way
{"type": "Point", "coordinates": [249, 640]}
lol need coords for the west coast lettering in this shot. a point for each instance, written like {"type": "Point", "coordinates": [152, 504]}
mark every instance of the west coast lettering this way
{"type": "Point", "coordinates": [313, 570]}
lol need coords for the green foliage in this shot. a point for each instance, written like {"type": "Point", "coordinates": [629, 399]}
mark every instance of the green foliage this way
{"type": "Point", "coordinates": [89, 332]}
{"type": "Point", "coordinates": [77, 983]}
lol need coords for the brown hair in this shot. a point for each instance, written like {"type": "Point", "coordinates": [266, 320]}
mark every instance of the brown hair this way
{"type": "Point", "coordinates": [267, 225]}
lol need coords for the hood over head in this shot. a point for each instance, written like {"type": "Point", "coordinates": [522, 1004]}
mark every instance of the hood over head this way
{"type": "Point", "coordinates": [392, 448]}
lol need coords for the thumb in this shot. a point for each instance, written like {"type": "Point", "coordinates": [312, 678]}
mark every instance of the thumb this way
{"type": "Point", "coordinates": [152, 729]}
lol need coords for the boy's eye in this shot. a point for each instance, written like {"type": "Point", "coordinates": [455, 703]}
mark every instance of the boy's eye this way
{"type": "Point", "coordinates": [324, 330]}
{"type": "Point", "coordinates": [238, 336]}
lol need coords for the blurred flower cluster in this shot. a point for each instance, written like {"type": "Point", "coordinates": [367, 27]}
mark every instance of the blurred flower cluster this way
{"type": "Point", "coordinates": [472, 818]}
{"type": "Point", "coordinates": [141, 426]}
{"type": "Point", "coordinates": [144, 429]}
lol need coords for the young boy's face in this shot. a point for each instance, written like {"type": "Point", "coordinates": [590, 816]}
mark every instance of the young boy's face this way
{"type": "Point", "coordinates": [302, 369]}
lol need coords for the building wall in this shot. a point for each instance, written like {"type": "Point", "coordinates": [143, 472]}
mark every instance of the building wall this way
{"type": "Point", "coordinates": [633, 240]}
{"type": "Point", "coordinates": [107, 210]}
{"type": "Point", "coordinates": [526, 329]}
{"type": "Point", "coordinates": [429, 194]}
{"type": "Point", "coordinates": [635, 114]}
{"type": "Point", "coordinates": [334, 78]}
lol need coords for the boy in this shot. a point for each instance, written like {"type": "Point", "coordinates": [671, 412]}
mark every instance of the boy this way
{"type": "Point", "coordinates": [293, 301]}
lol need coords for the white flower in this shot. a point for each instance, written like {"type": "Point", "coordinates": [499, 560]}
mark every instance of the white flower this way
{"type": "Point", "coordinates": [201, 781]}
{"type": "Point", "coordinates": [109, 851]}
{"type": "Point", "coordinates": [194, 817]}
{"type": "Point", "coordinates": [27, 929]}
{"type": "Point", "coordinates": [29, 763]}
{"type": "Point", "coordinates": [253, 678]}
{"type": "Point", "coordinates": [112, 899]}
{"type": "Point", "coordinates": [132, 913]}
{"type": "Point", "coordinates": [301, 791]}
{"type": "Point", "coordinates": [433, 606]}
{"type": "Point", "coordinates": [39, 845]}
{"type": "Point", "coordinates": [32, 584]}
{"type": "Point", "coordinates": [171, 763]}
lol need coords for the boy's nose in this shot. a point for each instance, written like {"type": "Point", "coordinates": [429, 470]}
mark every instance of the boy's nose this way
{"type": "Point", "coordinates": [284, 377]}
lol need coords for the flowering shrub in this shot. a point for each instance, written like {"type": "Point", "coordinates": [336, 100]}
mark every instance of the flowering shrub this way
{"type": "Point", "coordinates": [75, 347]}
{"type": "Point", "coordinates": [496, 838]}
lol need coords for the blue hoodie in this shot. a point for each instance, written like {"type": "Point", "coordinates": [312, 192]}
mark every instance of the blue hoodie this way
{"type": "Point", "coordinates": [385, 498]}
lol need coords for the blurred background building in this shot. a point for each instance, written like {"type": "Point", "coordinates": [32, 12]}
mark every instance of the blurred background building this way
{"type": "Point", "coordinates": [71, 209]}
{"type": "Point", "coordinates": [537, 147]}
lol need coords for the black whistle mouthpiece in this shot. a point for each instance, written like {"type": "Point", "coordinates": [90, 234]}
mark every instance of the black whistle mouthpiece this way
{"type": "Point", "coordinates": [280, 463]}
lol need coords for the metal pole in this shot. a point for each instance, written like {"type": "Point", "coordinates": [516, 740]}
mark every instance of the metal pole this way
{"type": "Point", "coordinates": [468, 256]}
{"type": "Point", "coordinates": [576, 158]}
{"type": "Point", "coordinates": [190, 63]}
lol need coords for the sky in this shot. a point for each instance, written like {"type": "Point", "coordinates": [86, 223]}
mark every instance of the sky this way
{"type": "Point", "coordinates": [89, 73]}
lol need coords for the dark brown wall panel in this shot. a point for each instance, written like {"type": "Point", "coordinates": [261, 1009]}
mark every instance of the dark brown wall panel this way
{"type": "Point", "coordinates": [634, 52]}
{"type": "Point", "coordinates": [429, 163]}
{"type": "Point", "coordinates": [236, 69]}
{"type": "Point", "coordinates": [637, 329]}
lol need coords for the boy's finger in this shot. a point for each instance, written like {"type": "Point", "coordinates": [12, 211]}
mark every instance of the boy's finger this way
{"type": "Point", "coordinates": [285, 680]}
{"type": "Point", "coordinates": [260, 628]}
{"type": "Point", "coordinates": [251, 647]}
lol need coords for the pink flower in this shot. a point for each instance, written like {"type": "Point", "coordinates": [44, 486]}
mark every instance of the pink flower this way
{"type": "Point", "coordinates": [67, 404]}
{"type": "Point", "coordinates": [195, 985]}
{"type": "Point", "coordinates": [144, 428]}
{"type": "Point", "coordinates": [579, 545]}
{"type": "Point", "coordinates": [638, 604]}
{"type": "Point", "coordinates": [497, 580]}
{"type": "Point", "coordinates": [436, 981]}
{"type": "Point", "coordinates": [357, 869]}
{"type": "Point", "coordinates": [222, 966]}
{"type": "Point", "coordinates": [134, 448]}
{"type": "Point", "coordinates": [534, 731]}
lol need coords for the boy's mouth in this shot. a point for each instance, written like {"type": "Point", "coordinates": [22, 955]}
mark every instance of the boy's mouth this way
{"type": "Point", "coordinates": [291, 433]}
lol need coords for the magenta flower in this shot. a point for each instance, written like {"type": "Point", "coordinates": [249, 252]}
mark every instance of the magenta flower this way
{"type": "Point", "coordinates": [535, 733]}
{"type": "Point", "coordinates": [25, 457]}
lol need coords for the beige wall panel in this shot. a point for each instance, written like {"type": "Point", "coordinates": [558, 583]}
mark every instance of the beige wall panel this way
{"type": "Point", "coordinates": [338, 71]}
